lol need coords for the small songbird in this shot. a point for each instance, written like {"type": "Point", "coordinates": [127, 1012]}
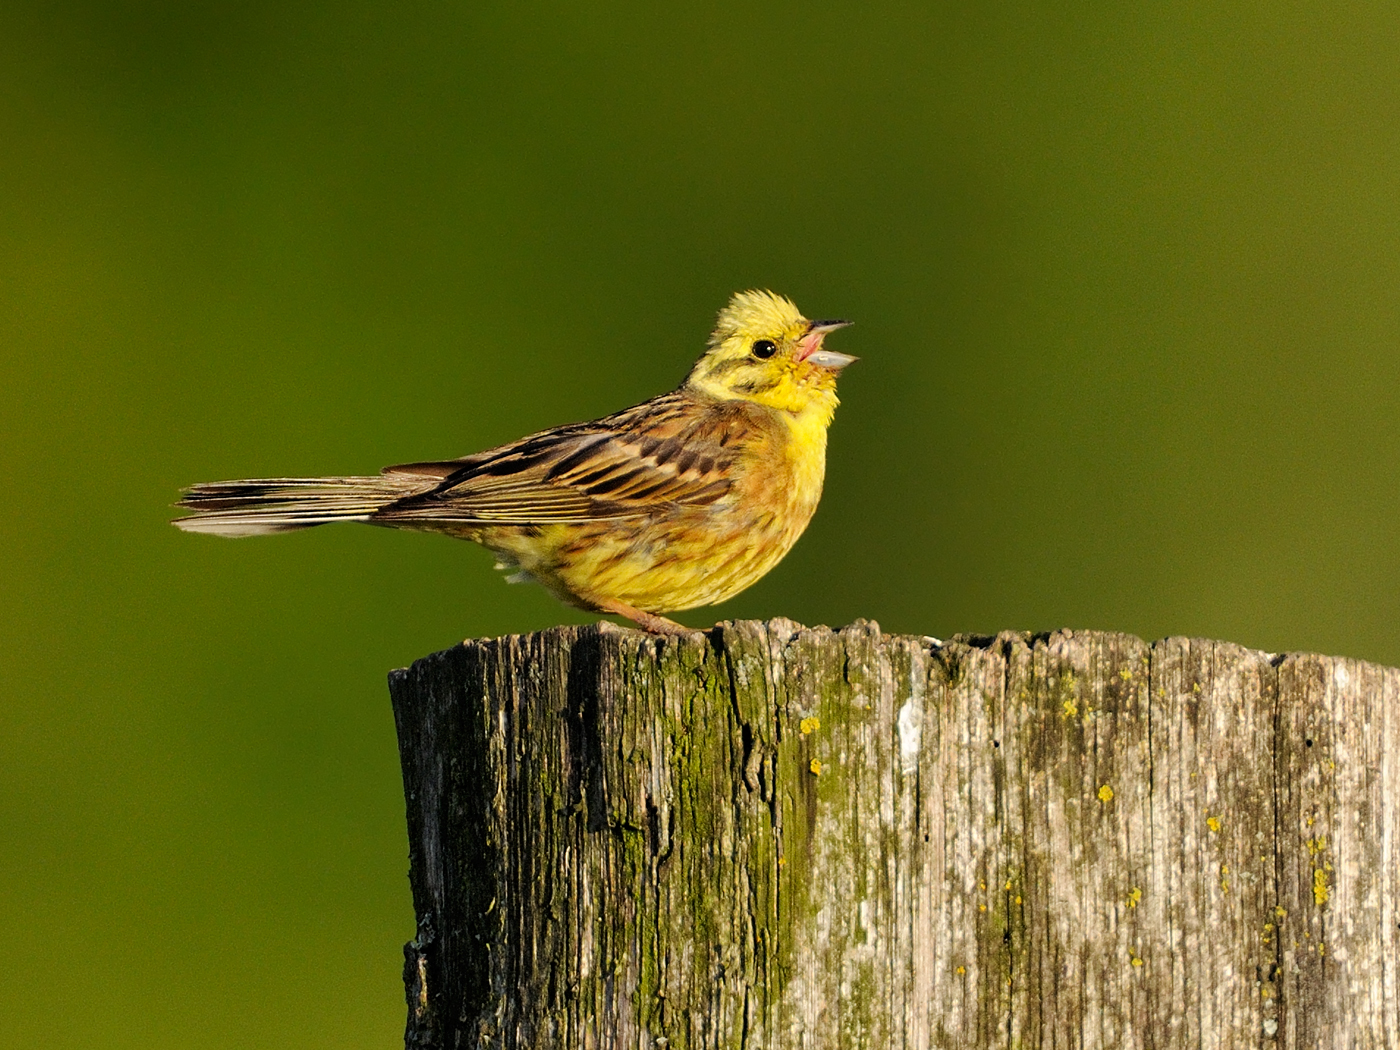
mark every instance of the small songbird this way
{"type": "Point", "coordinates": [681, 501]}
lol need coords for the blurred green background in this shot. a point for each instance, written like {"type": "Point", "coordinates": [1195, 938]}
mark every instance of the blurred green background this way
{"type": "Point", "coordinates": [1127, 285]}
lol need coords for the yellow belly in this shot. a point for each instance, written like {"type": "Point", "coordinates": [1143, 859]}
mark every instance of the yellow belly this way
{"type": "Point", "coordinates": [687, 556]}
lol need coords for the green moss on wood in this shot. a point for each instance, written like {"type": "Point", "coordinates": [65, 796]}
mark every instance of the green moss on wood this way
{"type": "Point", "coordinates": [767, 837]}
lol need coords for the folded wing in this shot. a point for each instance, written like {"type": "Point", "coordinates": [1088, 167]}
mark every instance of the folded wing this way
{"type": "Point", "coordinates": [631, 465]}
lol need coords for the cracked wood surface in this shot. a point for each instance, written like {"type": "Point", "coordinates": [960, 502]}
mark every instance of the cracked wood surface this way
{"type": "Point", "coordinates": [767, 836]}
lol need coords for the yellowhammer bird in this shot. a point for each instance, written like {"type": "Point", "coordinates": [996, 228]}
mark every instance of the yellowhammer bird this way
{"type": "Point", "coordinates": [681, 501]}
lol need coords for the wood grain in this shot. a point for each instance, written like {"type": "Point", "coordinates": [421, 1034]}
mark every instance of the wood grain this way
{"type": "Point", "coordinates": [768, 836]}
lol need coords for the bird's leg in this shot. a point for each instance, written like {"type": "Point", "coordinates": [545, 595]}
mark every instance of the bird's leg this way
{"type": "Point", "coordinates": [649, 622]}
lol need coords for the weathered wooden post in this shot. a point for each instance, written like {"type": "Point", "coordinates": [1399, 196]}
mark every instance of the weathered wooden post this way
{"type": "Point", "coordinates": [768, 837]}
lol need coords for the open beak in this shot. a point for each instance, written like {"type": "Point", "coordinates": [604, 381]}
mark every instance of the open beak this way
{"type": "Point", "coordinates": [811, 346]}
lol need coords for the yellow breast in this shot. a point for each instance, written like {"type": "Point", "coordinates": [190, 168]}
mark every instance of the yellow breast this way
{"type": "Point", "coordinates": [691, 556]}
{"type": "Point", "coordinates": [806, 458]}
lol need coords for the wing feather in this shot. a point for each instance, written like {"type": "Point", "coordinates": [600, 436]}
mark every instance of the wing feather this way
{"type": "Point", "coordinates": [667, 453]}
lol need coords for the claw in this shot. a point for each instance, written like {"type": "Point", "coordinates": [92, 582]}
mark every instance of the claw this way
{"type": "Point", "coordinates": [649, 622]}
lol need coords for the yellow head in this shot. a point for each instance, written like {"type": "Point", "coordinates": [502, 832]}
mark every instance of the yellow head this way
{"type": "Point", "coordinates": [763, 350]}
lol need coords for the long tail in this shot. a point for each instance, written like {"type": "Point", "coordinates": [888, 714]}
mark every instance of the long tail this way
{"type": "Point", "coordinates": [262, 506]}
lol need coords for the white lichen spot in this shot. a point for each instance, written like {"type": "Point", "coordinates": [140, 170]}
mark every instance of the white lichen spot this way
{"type": "Point", "coordinates": [911, 727]}
{"type": "Point", "coordinates": [1340, 676]}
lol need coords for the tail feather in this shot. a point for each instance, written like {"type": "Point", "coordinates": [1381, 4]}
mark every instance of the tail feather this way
{"type": "Point", "coordinates": [259, 507]}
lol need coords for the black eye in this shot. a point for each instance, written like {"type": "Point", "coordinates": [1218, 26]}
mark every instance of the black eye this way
{"type": "Point", "coordinates": [763, 349]}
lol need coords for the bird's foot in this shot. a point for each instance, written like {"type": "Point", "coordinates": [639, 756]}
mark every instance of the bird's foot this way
{"type": "Point", "coordinates": [648, 622]}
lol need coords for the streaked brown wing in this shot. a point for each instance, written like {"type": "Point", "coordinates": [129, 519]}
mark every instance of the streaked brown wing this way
{"type": "Point", "coordinates": [667, 452]}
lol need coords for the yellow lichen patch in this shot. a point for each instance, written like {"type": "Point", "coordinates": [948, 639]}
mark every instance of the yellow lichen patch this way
{"type": "Point", "coordinates": [809, 725]}
{"type": "Point", "coordinates": [1321, 891]}
{"type": "Point", "coordinates": [1213, 823]}
{"type": "Point", "coordinates": [1134, 895]}
{"type": "Point", "coordinates": [1196, 688]}
{"type": "Point", "coordinates": [1279, 912]}
{"type": "Point", "coordinates": [961, 970]}
{"type": "Point", "coordinates": [1067, 688]}
{"type": "Point", "coordinates": [981, 907]}
{"type": "Point", "coordinates": [1105, 794]}
{"type": "Point", "coordinates": [1126, 675]}
{"type": "Point", "coordinates": [1317, 845]}
{"type": "Point", "coordinates": [1137, 960]}
{"type": "Point", "coordinates": [816, 767]}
